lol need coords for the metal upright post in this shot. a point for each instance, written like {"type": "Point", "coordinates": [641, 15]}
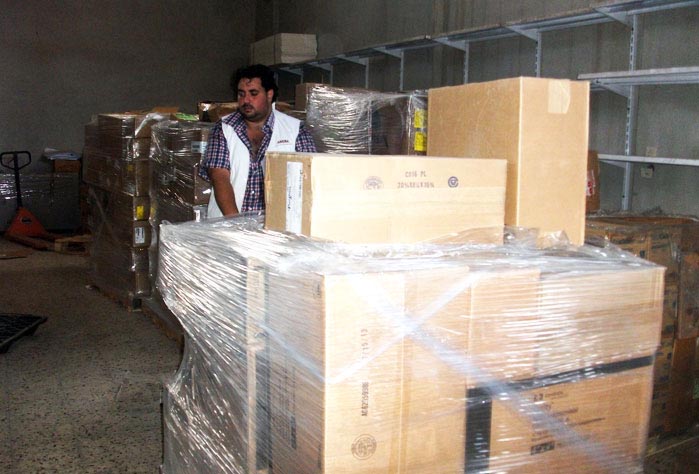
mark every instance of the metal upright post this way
{"type": "Point", "coordinates": [631, 114]}
{"type": "Point", "coordinates": [466, 60]}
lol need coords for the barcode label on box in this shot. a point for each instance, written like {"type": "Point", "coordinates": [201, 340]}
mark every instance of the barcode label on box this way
{"type": "Point", "coordinates": [139, 235]}
{"type": "Point", "coordinates": [199, 147]}
{"type": "Point", "coordinates": [294, 196]}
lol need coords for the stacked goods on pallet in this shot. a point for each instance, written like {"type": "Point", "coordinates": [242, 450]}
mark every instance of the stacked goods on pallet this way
{"type": "Point", "coordinates": [121, 235]}
{"type": "Point", "coordinates": [117, 169]}
{"type": "Point", "coordinates": [327, 357]}
{"type": "Point", "coordinates": [672, 242]}
{"type": "Point", "coordinates": [177, 193]}
{"type": "Point", "coordinates": [350, 120]}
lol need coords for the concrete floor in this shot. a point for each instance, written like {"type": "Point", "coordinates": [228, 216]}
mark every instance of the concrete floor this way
{"type": "Point", "coordinates": [82, 395]}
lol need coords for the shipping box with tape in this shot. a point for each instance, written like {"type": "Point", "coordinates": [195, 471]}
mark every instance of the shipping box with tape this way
{"type": "Point", "coordinates": [382, 199]}
{"type": "Point", "coordinates": [540, 126]}
{"type": "Point", "coordinates": [414, 358]}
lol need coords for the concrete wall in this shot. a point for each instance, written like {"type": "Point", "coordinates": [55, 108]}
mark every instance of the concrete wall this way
{"type": "Point", "coordinates": [64, 61]}
{"type": "Point", "coordinates": [666, 124]}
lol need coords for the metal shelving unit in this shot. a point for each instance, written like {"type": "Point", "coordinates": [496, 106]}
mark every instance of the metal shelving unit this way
{"type": "Point", "coordinates": [624, 12]}
{"type": "Point", "coordinates": [625, 83]}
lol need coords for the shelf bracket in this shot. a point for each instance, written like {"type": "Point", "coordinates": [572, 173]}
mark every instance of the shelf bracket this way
{"type": "Point", "coordinates": [461, 45]}
{"type": "Point", "coordinates": [532, 34]}
{"type": "Point", "coordinates": [621, 17]}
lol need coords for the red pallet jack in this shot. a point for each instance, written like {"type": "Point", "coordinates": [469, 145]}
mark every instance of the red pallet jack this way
{"type": "Point", "coordinates": [25, 228]}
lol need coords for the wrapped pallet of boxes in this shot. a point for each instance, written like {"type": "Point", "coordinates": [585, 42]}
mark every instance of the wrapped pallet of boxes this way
{"type": "Point", "coordinates": [316, 356]}
{"type": "Point", "coordinates": [352, 120]}
{"type": "Point", "coordinates": [540, 126]}
{"type": "Point", "coordinates": [178, 194]}
{"type": "Point", "coordinates": [116, 168]}
{"type": "Point", "coordinates": [672, 242]}
{"type": "Point", "coordinates": [121, 234]}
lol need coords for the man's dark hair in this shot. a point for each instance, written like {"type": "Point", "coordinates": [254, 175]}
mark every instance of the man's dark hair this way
{"type": "Point", "coordinates": [264, 73]}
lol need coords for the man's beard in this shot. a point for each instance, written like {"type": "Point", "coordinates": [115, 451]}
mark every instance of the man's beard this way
{"type": "Point", "coordinates": [251, 113]}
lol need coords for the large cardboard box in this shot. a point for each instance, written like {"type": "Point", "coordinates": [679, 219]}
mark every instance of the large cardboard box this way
{"type": "Point", "coordinates": [283, 48]}
{"type": "Point", "coordinates": [607, 316]}
{"type": "Point", "coordinates": [372, 379]}
{"type": "Point", "coordinates": [584, 423]}
{"type": "Point", "coordinates": [540, 126]}
{"type": "Point", "coordinates": [383, 199]}
{"type": "Point", "coordinates": [394, 372]}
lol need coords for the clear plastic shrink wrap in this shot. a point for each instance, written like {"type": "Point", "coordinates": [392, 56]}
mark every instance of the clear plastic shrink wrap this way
{"type": "Point", "coordinates": [177, 191]}
{"type": "Point", "coordinates": [116, 154]}
{"type": "Point", "coordinates": [367, 122]}
{"type": "Point", "coordinates": [121, 235]}
{"type": "Point", "coordinates": [319, 357]}
{"type": "Point", "coordinates": [116, 165]}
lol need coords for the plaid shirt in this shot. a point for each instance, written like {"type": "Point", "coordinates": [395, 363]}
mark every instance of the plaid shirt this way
{"type": "Point", "coordinates": [218, 156]}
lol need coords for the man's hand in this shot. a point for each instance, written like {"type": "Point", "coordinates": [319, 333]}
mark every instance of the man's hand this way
{"type": "Point", "coordinates": [223, 191]}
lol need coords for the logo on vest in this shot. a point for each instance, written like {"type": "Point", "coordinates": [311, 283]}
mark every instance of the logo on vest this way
{"type": "Point", "coordinates": [283, 142]}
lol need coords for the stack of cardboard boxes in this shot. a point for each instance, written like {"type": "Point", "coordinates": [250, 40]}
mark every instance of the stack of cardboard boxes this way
{"type": "Point", "coordinates": [672, 242]}
{"type": "Point", "coordinates": [430, 359]}
{"type": "Point", "coordinates": [177, 194]}
{"type": "Point", "coordinates": [403, 334]}
{"type": "Point", "coordinates": [353, 120]}
{"type": "Point", "coordinates": [116, 167]}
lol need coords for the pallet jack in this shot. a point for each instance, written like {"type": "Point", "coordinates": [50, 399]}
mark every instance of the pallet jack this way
{"type": "Point", "coordinates": [25, 228]}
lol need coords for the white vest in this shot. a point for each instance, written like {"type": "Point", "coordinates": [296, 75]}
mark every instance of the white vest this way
{"type": "Point", "coordinates": [284, 134]}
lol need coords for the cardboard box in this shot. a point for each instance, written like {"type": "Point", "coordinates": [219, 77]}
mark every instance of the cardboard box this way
{"type": "Point", "coordinates": [559, 427]}
{"type": "Point", "coordinates": [657, 239]}
{"type": "Point", "coordinates": [351, 392]}
{"type": "Point", "coordinates": [340, 409]}
{"type": "Point", "coordinates": [681, 386]}
{"type": "Point", "coordinates": [658, 412]}
{"type": "Point", "coordinates": [688, 305]}
{"type": "Point", "coordinates": [66, 166]}
{"type": "Point", "coordinates": [540, 126]}
{"type": "Point", "coordinates": [135, 125]}
{"type": "Point", "coordinates": [302, 91]}
{"type": "Point", "coordinates": [386, 199]}
{"type": "Point", "coordinates": [663, 361]}
{"type": "Point", "coordinates": [608, 317]}
{"type": "Point", "coordinates": [669, 326]}
{"type": "Point", "coordinates": [213, 111]}
{"type": "Point", "coordinates": [592, 193]}
{"type": "Point", "coordinates": [284, 48]}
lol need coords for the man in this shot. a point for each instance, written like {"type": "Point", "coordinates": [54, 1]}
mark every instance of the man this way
{"type": "Point", "coordinates": [234, 160]}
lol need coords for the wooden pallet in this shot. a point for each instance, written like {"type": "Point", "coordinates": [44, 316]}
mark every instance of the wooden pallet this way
{"type": "Point", "coordinates": [131, 303]}
{"type": "Point", "coordinates": [163, 319]}
{"type": "Point", "coordinates": [74, 245]}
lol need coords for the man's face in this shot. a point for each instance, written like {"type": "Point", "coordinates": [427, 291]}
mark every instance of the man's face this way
{"type": "Point", "coordinates": [253, 102]}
